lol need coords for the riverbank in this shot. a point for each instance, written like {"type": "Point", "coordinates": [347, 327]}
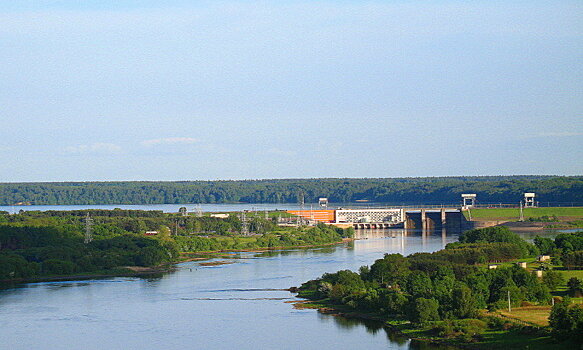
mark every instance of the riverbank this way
{"type": "Point", "coordinates": [141, 271]}
{"type": "Point", "coordinates": [517, 336]}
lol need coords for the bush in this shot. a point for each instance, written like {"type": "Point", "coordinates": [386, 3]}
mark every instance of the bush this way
{"type": "Point", "coordinates": [465, 330]}
{"type": "Point", "coordinates": [58, 267]}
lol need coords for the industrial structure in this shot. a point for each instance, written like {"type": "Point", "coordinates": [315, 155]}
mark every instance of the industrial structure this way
{"type": "Point", "coordinates": [367, 218]}
{"type": "Point", "coordinates": [420, 216]}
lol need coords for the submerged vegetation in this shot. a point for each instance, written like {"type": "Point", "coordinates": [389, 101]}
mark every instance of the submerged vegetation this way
{"type": "Point", "coordinates": [40, 244]}
{"type": "Point", "coordinates": [454, 295]}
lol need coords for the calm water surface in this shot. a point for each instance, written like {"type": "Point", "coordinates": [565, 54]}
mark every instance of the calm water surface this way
{"type": "Point", "coordinates": [234, 306]}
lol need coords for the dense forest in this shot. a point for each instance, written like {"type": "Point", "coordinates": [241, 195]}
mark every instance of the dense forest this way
{"type": "Point", "coordinates": [447, 293]}
{"type": "Point", "coordinates": [490, 189]}
{"type": "Point", "coordinates": [35, 244]}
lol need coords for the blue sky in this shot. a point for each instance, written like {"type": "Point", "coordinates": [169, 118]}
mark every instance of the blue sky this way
{"type": "Point", "coordinates": [185, 90]}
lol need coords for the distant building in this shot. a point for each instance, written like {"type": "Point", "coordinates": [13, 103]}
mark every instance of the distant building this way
{"type": "Point", "coordinates": [493, 266]}
{"type": "Point", "coordinates": [539, 273]}
{"type": "Point", "coordinates": [468, 200]}
{"type": "Point", "coordinates": [542, 258]}
{"type": "Point", "coordinates": [220, 215]}
{"type": "Point", "coordinates": [521, 264]}
{"type": "Point", "coordinates": [151, 233]}
{"type": "Point", "coordinates": [529, 200]}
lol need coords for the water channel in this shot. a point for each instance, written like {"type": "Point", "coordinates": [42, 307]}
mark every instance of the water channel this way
{"type": "Point", "coordinates": [231, 306]}
{"type": "Point", "coordinates": [241, 305]}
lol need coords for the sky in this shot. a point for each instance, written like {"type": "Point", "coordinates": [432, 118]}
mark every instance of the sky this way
{"type": "Point", "coordinates": [104, 90]}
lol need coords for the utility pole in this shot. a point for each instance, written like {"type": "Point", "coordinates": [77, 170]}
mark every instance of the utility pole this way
{"type": "Point", "coordinates": [509, 306]}
{"type": "Point", "coordinates": [88, 229]}
{"type": "Point", "coordinates": [521, 213]}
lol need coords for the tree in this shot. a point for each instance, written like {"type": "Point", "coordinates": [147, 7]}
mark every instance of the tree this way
{"type": "Point", "coordinates": [419, 284]}
{"type": "Point", "coordinates": [544, 244]}
{"type": "Point", "coordinates": [575, 286]}
{"type": "Point", "coordinates": [424, 310]}
{"type": "Point", "coordinates": [553, 279]}
{"type": "Point", "coordinates": [567, 320]}
{"type": "Point", "coordinates": [391, 269]}
{"type": "Point", "coordinates": [463, 302]}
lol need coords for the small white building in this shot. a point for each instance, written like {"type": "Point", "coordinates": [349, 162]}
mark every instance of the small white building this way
{"type": "Point", "coordinates": [493, 266]}
{"type": "Point", "coordinates": [542, 258]}
{"type": "Point", "coordinates": [220, 215]}
{"type": "Point", "coordinates": [468, 200]}
{"type": "Point", "coordinates": [521, 264]}
{"type": "Point", "coordinates": [539, 273]}
{"type": "Point", "coordinates": [529, 200]}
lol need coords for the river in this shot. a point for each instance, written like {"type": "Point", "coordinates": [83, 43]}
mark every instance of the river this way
{"type": "Point", "coordinates": [231, 306]}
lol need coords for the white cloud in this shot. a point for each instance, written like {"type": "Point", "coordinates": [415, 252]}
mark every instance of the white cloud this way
{"type": "Point", "coordinates": [169, 141]}
{"type": "Point", "coordinates": [98, 147]}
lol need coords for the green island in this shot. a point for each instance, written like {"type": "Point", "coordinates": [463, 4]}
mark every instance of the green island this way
{"type": "Point", "coordinates": [489, 290]}
{"type": "Point", "coordinates": [51, 245]}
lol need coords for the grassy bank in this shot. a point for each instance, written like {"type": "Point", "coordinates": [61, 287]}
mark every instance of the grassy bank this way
{"type": "Point", "coordinates": [510, 339]}
{"type": "Point", "coordinates": [513, 214]}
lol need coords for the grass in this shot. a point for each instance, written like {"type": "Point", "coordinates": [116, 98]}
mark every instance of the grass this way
{"type": "Point", "coordinates": [534, 314]}
{"type": "Point", "coordinates": [514, 213]}
{"type": "Point", "coordinates": [514, 339]}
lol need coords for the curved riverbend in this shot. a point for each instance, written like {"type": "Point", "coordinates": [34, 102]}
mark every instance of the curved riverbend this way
{"type": "Point", "coordinates": [240, 305]}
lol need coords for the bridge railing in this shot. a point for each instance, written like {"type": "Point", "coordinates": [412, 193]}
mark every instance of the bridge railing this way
{"type": "Point", "coordinates": [459, 205]}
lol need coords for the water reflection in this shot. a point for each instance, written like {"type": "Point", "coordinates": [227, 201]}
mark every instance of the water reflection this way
{"type": "Point", "coordinates": [239, 305]}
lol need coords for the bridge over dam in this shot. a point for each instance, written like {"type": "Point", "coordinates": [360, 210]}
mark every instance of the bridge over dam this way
{"type": "Point", "coordinates": [410, 217]}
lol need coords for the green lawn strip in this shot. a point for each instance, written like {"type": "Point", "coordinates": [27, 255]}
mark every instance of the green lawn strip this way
{"type": "Point", "coordinates": [514, 213]}
{"type": "Point", "coordinates": [515, 339]}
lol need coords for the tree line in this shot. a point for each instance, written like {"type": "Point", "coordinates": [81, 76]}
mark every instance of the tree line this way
{"type": "Point", "coordinates": [445, 290]}
{"type": "Point", "coordinates": [490, 189]}
{"type": "Point", "coordinates": [36, 243]}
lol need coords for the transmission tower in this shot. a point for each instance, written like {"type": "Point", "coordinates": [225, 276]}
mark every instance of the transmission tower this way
{"type": "Point", "coordinates": [244, 223]}
{"type": "Point", "coordinates": [88, 229]}
{"type": "Point", "coordinates": [301, 203]}
{"type": "Point", "coordinates": [198, 211]}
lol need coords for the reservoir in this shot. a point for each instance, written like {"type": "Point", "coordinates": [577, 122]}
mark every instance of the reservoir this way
{"type": "Point", "coordinates": [240, 305]}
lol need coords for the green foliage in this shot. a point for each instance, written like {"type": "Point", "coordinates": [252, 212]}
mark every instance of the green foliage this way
{"type": "Point", "coordinates": [545, 245]}
{"type": "Point", "coordinates": [575, 286]}
{"type": "Point", "coordinates": [463, 303]}
{"type": "Point", "coordinates": [424, 310]}
{"type": "Point", "coordinates": [568, 242]}
{"type": "Point", "coordinates": [499, 234]}
{"type": "Point", "coordinates": [566, 320]}
{"type": "Point", "coordinates": [465, 330]}
{"type": "Point", "coordinates": [573, 259]}
{"type": "Point", "coordinates": [493, 189]}
{"type": "Point", "coordinates": [392, 269]}
{"type": "Point", "coordinates": [426, 287]}
{"type": "Point", "coordinates": [553, 279]}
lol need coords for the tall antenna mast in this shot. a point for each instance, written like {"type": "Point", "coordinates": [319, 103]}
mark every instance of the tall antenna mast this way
{"type": "Point", "coordinates": [88, 229]}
